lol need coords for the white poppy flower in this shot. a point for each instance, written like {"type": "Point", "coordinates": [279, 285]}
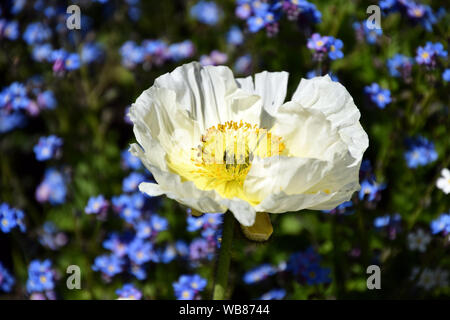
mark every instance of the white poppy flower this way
{"type": "Point", "coordinates": [215, 143]}
{"type": "Point", "coordinates": [443, 182]}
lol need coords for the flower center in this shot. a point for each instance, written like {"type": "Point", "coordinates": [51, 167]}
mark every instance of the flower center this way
{"type": "Point", "coordinates": [224, 156]}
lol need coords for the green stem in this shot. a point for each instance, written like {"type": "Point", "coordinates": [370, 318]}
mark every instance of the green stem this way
{"type": "Point", "coordinates": [223, 264]}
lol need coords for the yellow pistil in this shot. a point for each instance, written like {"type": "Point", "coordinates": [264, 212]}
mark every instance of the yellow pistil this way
{"type": "Point", "coordinates": [224, 156]}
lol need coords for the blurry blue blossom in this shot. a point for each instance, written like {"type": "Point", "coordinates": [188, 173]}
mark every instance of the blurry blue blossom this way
{"type": "Point", "coordinates": [235, 36]}
{"type": "Point", "coordinates": [132, 54]}
{"type": "Point", "coordinates": [6, 279]}
{"type": "Point", "coordinates": [370, 189]}
{"type": "Point", "coordinates": [48, 148]}
{"type": "Point", "coordinates": [11, 121]}
{"type": "Point", "coordinates": [52, 188]}
{"type": "Point", "coordinates": [168, 254]}
{"type": "Point", "coordinates": [343, 208]}
{"type": "Point", "coordinates": [305, 266]}
{"type": "Point", "coordinates": [50, 237]}
{"type": "Point", "coordinates": [189, 286]}
{"type": "Point", "coordinates": [140, 251]}
{"type": "Point", "coordinates": [400, 65]}
{"type": "Point", "coordinates": [91, 52]}
{"type": "Point", "coordinates": [129, 161]}
{"type": "Point", "coordinates": [389, 223]}
{"type": "Point", "coordinates": [214, 58]}
{"type": "Point", "coordinates": [378, 95]}
{"type": "Point", "coordinates": [96, 205]}
{"type": "Point", "coordinates": [46, 100]}
{"type": "Point", "coordinates": [363, 32]}
{"type": "Point", "coordinates": [36, 32]}
{"type": "Point", "coordinates": [441, 224]}
{"type": "Point", "coordinates": [420, 152]}
{"type": "Point", "coordinates": [17, 6]}
{"type": "Point", "coordinates": [243, 64]}
{"type": "Point", "coordinates": [259, 273]}
{"type": "Point", "coordinates": [274, 294]}
{"type": "Point", "coordinates": [117, 244]}
{"type": "Point", "coordinates": [206, 12]}
{"type": "Point", "coordinates": [42, 52]}
{"type": "Point", "coordinates": [132, 181]}
{"type": "Point", "coordinates": [109, 265]}
{"type": "Point", "coordinates": [9, 29]}
{"type": "Point", "coordinates": [446, 75]}
{"type": "Point", "coordinates": [181, 50]}
{"type": "Point", "coordinates": [129, 292]}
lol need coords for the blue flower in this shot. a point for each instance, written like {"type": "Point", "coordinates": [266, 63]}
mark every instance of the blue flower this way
{"type": "Point", "coordinates": [446, 75]}
{"type": "Point", "coordinates": [386, 220]}
{"type": "Point", "coordinates": [235, 36]}
{"type": "Point", "coordinates": [378, 95]}
{"type": "Point", "coordinates": [52, 188]}
{"type": "Point", "coordinates": [48, 148]}
{"type": "Point", "coordinates": [200, 249]}
{"type": "Point", "coordinates": [370, 189]}
{"type": "Point", "coordinates": [168, 254]}
{"type": "Point", "coordinates": [420, 152]}
{"type": "Point", "coordinates": [318, 43]}
{"type": "Point", "coordinates": [42, 52]}
{"type": "Point", "coordinates": [400, 65]}
{"type": "Point", "coordinates": [36, 32]}
{"type": "Point", "coordinates": [129, 161]}
{"type": "Point", "coordinates": [158, 223]}
{"type": "Point", "coordinates": [91, 52]}
{"type": "Point", "coordinates": [132, 181]}
{"type": "Point", "coordinates": [371, 35]}
{"type": "Point", "coordinates": [140, 251]}
{"type": "Point", "coordinates": [189, 286]}
{"type": "Point", "coordinates": [181, 50]}
{"type": "Point", "coordinates": [335, 46]}
{"type": "Point", "coordinates": [259, 273]}
{"type": "Point", "coordinates": [243, 64]}
{"type": "Point", "coordinates": [274, 294]}
{"type": "Point", "coordinates": [96, 205]}
{"type": "Point", "coordinates": [128, 291]}
{"type": "Point", "coordinates": [46, 100]}
{"type": "Point", "coordinates": [109, 265]}
{"type": "Point", "coordinates": [117, 244]}
{"type": "Point", "coordinates": [132, 54]}
{"type": "Point", "coordinates": [441, 224]}
{"type": "Point", "coordinates": [11, 121]}
{"type": "Point", "coordinates": [343, 208]}
{"type": "Point", "coordinates": [206, 12]}
{"type": "Point", "coordinates": [9, 30]}
{"type": "Point", "coordinates": [428, 55]}
{"type": "Point", "coordinates": [6, 279]}
{"type": "Point", "coordinates": [255, 23]}
{"type": "Point", "coordinates": [40, 276]}
{"type": "Point", "coordinates": [11, 218]}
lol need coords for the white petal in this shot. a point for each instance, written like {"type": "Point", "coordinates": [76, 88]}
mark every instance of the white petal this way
{"type": "Point", "coordinates": [242, 211]}
{"type": "Point", "coordinates": [334, 101]}
{"type": "Point", "coordinates": [270, 86]}
{"type": "Point", "coordinates": [152, 189]}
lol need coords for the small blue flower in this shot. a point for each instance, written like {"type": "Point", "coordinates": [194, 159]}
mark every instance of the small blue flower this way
{"type": "Point", "coordinates": [274, 294]}
{"type": "Point", "coordinates": [158, 223]}
{"type": "Point", "coordinates": [52, 188]}
{"type": "Point", "coordinates": [370, 189]}
{"type": "Point", "coordinates": [132, 181]}
{"type": "Point", "coordinates": [441, 224]}
{"type": "Point", "coordinates": [40, 276]}
{"type": "Point", "coordinates": [48, 148]}
{"type": "Point", "coordinates": [11, 218]}
{"type": "Point", "coordinates": [42, 52]}
{"type": "Point", "coordinates": [96, 205]}
{"type": "Point", "coordinates": [243, 64]}
{"type": "Point", "coordinates": [140, 251]}
{"type": "Point", "coordinates": [378, 95]}
{"type": "Point", "coordinates": [6, 279]}
{"type": "Point", "coordinates": [318, 43]}
{"type": "Point", "coordinates": [109, 265]}
{"type": "Point", "coordinates": [168, 254]}
{"type": "Point", "coordinates": [129, 292]}
{"type": "Point", "coordinates": [189, 286]}
{"type": "Point", "coordinates": [400, 65]}
{"type": "Point", "coordinates": [9, 30]}
{"type": "Point", "coordinates": [129, 161]}
{"type": "Point", "coordinates": [206, 12]}
{"type": "Point", "coordinates": [259, 273]}
{"type": "Point", "coordinates": [235, 36]}
{"type": "Point", "coordinates": [446, 75]}
{"type": "Point", "coordinates": [420, 152]}
{"type": "Point", "coordinates": [36, 32]}
{"type": "Point", "coordinates": [91, 52]}
{"type": "Point", "coordinates": [181, 50]}
{"type": "Point", "coordinates": [335, 46]}
{"type": "Point", "coordinates": [429, 54]}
